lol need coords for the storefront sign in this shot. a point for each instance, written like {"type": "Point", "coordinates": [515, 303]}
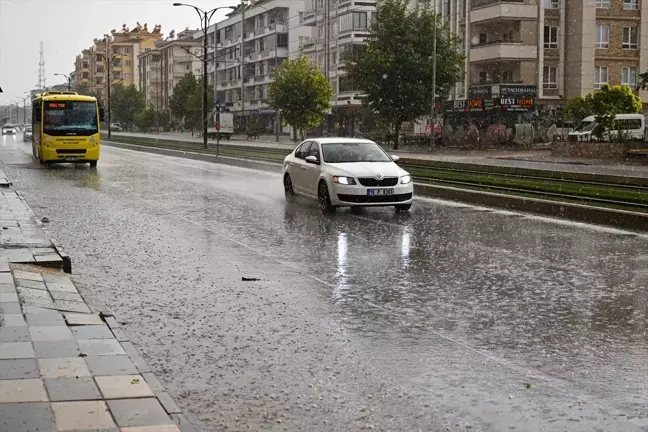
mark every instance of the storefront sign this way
{"type": "Point", "coordinates": [480, 92]}
{"type": "Point", "coordinates": [517, 103]}
{"type": "Point", "coordinates": [470, 105]}
{"type": "Point", "coordinates": [517, 91]}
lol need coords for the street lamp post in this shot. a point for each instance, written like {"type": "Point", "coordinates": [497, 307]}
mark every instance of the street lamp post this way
{"type": "Point", "coordinates": [205, 17]}
{"type": "Point", "coordinates": [107, 62]}
{"type": "Point", "coordinates": [67, 78]}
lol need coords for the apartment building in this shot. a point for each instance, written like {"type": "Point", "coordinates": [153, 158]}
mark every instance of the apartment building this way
{"type": "Point", "coordinates": [245, 56]}
{"type": "Point", "coordinates": [122, 49]}
{"type": "Point", "coordinates": [162, 67]}
{"type": "Point", "coordinates": [526, 53]}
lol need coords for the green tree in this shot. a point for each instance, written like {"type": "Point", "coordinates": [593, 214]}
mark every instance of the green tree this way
{"type": "Point", "coordinates": [301, 93]}
{"type": "Point", "coordinates": [193, 105]}
{"type": "Point", "coordinates": [577, 109]}
{"type": "Point", "coordinates": [84, 89]}
{"type": "Point", "coordinates": [125, 103]}
{"type": "Point", "coordinates": [396, 69]}
{"type": "Point", "coordinates": [181, 94]}
{"type": "Point", "coordinates": [145, 119]}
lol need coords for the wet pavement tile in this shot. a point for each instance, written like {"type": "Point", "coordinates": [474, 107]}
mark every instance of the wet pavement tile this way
{"type": "Point", "coordinates": [65, 348]}
{"type": "Point", "coordinates": [72, 388]}
{"type": "Point", "coordinates": [183, 423]}
{"type": "Point", "coordinates": [100, 347]}
{"type": "Point", "coordinates": [10, 308]}
{"type": "Point", "coordinates": [16, 350]}
{"type": "Point", "coordinates": [31, 284]}
{"type": "Point", "coordinates": [123, 386]}
{"type": "Point", "coordinates": [6, 278]}
{"type": "Point", "coordinates": [18, 369]}
{"type": "Point", "coordinates": [92, 332]}
{"type": "Point", "coordinates": [8, 297]}
{"type": "Point", "coordinates": [33, 276]}
{"type": "Point", "coordinates": [48, 258]}
{"type": "Point", "coordinates": [50, 333]}
{"type": "Point", "coordinates": [71, 306]}
{"type": "Point", "coordinates": [12, 320]}
{"type": "Point", "coordinates": [14, 334]}
{"type": "Point", "coordinates": [62, 295]}
{"type": "Point", "coordinates": [26, 417]}
{"type": "Point", "coordinates": [45, 319]}
{"type": "Point", "coordinates": [89, 415]}
{"type": "Point", "coordinates": [138, 412]}
{"type": "Point", "coordinates": [67, 286]}
{"type": "Point", "coordinates": [7, 288]}
{"type": "Point", "coordinates": [22, 390]}
{"type": "Point", "coordinates": [120, 335]}
{"type": "Point", "coordinates": [35, 297]}
{"type": "Point", "coordinates": [167, 402]}
{"type": "Point", "coordinates": [18, 256]}
{"type": "Point", "coordinates": [63, 367]}
{"type": "Point", "coordinates": [111, 365]}
{"type": "Point", "coordinates": [82, 319]}
{"type": "Point", "coordinates": [157, 428]}
{"type": "Point", "coordinates": [153, 382]}
{"type": "Point", "coordinates": [4, 266]}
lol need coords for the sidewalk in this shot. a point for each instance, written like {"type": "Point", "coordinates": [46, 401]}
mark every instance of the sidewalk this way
{"type": "Point", "coordinates": [527, 159]}
{"type": "Point", "coordinates": [63, 367]}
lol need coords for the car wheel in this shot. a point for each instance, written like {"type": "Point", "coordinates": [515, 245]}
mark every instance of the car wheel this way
{"type": "Point", "coordinates": [93, 164]}
{"type": "Point", "coordinates": [403, 207]}
{"type": "Point", "coordinates": [324, 199]}
{"type": "Point", "coordinates": [288, 187]}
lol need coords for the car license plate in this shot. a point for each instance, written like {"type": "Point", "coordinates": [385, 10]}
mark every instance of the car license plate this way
{"type": "Point", "coordinates": [380, 192]}
{"type": "Point", "coordinates": [71, 158]}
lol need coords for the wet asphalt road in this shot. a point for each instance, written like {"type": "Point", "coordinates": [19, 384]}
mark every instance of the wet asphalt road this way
{"type": "Point", "coordinates": [448, 318]}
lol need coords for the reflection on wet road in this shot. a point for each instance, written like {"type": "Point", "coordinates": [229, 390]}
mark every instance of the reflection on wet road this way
{"type": "Point", "coordinates": [448, 318]}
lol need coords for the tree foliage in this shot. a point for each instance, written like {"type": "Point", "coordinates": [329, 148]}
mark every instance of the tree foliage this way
{"type": "Point", "coordinates": [396, 70]}
{"type": "Point", "coordinates": [125, 103]}
{"type": "Point", "coordinates": [604, 105]}
{"type": "Point", "coordinates": [84, 89]}
{"type": "Point", "coordinates": [193, 105]}
{"type": "Point", "coordinates": [146, 118]}
{"type": "Point", "coordinates": [181, 93]}
{"type": "Point", "coordinates": [301, 92]}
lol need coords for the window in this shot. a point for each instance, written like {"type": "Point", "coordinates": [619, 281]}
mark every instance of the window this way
{"type": "Point", "coordinates": [282, 40]}
{"type": "Point", "coordinates": [631, 4]}
{"type": "Point", "coordinates": [128, 76]}
{"type": "Point", "coordinates": [549, 77]}
{"type": "Point", "coordinates": [99, 69]}
{"type": "Point", "coordinates": [629, 77]}
{"type": "Point", "coordinates": [84, 65]}
{"type": "Point", "coordinates": [483, 76]}
{"type": "Point", "coordinates": [552, 4]}
{"type": "Point", "coordinates": [550, 37]}
{"type": "Point", "coordinates": [507, 76]}
{"type": "Point", "coordinates": [600, 76]}
{"type": "Point", "coordinates": [353, 21]}
{"type": "Point", "coordinates": [127, 50]}
{"type": "Point", "coordinates": [129, 63]}
{"type": "Point", "coordinates": [630, 38]}
{"type": "Point", "coordinates": [483, 38]}
{"type": "Point", "coordinates": [303, 150]}
{"type": "Point", "coordinates": [602, 4]}
{"type": "Point", "coordinates": [602, 36]}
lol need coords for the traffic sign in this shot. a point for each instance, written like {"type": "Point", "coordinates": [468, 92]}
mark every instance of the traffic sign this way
{"type": "Point", "coordinates": [218, 105]}
{"type": "Point", "coordinates": [217, 126]}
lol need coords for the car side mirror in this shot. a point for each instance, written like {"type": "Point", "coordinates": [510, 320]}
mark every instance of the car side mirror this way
{"type": "Point", "coordinates": [102, 114]}
{"type": "Point", "coordinates": [395, 158]}
{"type": "Point", "coordinates": [312, 160]}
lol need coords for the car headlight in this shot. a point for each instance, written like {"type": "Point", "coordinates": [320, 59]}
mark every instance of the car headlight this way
{"type": "Point", "coordinates": [344, 180]}
{"type": "Point", "coordinates": [406, 179]}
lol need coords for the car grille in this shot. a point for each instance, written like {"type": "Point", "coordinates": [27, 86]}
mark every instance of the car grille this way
{"type": "Point", "coordinates": [70, 151]}
{"type": "Point", "coordinates": [364, 199]}
{"type": "Point", "coordinates": [387, 181]}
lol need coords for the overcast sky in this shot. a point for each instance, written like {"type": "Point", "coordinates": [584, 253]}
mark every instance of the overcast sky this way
{"type": "Point", "coordinates": [68, 26]}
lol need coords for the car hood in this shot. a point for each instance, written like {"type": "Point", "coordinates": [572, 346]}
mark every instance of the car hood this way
{"type": "Point", "coordinates": [366, 169]}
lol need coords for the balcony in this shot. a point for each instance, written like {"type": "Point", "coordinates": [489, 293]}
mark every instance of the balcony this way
{"type": "Point", "coordinates": [486, 10]}
{"type": "Point", "coordinates": [503, 51]}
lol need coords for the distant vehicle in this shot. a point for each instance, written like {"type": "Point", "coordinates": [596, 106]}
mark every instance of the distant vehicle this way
{"type": "Point", "coordinates": [632, 126]}
{"type": "Point", "coordinates": [27, 134]}
{"type": "Point", "coordinates": [8, 129]}
{"type": "Point", "coordinates": [226, 130]}
{"type": "Point", "coordinates": [66, 128]}
{"type": "Point", "coordinates": [116, 127]}
{"type": "Point", "coordinates": [347, 172]}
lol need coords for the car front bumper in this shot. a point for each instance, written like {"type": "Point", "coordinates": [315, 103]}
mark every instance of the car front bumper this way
{"type": "Point", "coordinates": [358, 195]}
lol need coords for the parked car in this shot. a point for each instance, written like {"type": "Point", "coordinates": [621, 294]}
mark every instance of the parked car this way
{"type": "Point", "coordinates": [347, 172]}
{"type": "Point", "coordinates": [116, 127]}
{"type": "Point", "coordinates": [633, 126]}
{"type": "Point", "coordinates": [8, 129]}
{"type": "Point", "coordinates": [27, 134]}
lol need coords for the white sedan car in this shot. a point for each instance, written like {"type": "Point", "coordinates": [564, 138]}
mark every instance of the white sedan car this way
{"type": "Point", "coordinates": [347, 172]}
{"type": "Point", "coordinates": [8, 130]}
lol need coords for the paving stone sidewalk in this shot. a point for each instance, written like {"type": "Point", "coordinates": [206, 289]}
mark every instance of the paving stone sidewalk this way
{"type": "Point", "coordinates": [71, 371]}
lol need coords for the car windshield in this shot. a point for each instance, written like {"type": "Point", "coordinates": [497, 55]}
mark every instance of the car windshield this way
{"type": "Point", "coordinates": [347, 152]}
{"type": "Point", "coordinates": [585, 126]}
{"type": "Point", "coordinates": [70, 116]}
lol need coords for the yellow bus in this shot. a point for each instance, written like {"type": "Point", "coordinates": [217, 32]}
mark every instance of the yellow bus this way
{"type": "Point", "coordinates": [65, 128]}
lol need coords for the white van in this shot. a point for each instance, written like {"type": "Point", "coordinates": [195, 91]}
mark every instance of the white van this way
{"type": "Point", "coordinates": [632, 125]}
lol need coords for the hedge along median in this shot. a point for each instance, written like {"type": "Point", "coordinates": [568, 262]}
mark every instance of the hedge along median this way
{"type": "Point", "coordinates": [566, 186]}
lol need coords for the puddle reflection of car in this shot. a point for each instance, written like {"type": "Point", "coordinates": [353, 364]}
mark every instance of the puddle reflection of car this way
{"type": "Point", "coordinates": [27, 134]}
{"type": "Point", "coordinates": [8, 130]}
{"type": "Point", "coordinates": [347, 172]}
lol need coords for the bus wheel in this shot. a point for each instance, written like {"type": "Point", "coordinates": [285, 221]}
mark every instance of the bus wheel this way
{"type": "Point", "coordinates": [93, 164]}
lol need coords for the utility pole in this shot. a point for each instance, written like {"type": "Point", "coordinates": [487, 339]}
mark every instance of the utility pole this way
{"type": "Point", "coordinates": [243, 62]}
{"type": "Point", "coordinates": [107, 61]}
{"type": "Point", "coordinates": [276, 61]}
{"type": "Point", "coordinates": [434, 72]}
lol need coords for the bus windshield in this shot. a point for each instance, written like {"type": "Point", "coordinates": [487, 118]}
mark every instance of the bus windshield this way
{"type": "Point", "coordinates": [68, 117]}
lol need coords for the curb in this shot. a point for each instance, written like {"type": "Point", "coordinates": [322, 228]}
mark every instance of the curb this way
{"type": "Point", "coordinates": [593, 215]}
{"type": "Point", "coordinates": [144, 369]}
